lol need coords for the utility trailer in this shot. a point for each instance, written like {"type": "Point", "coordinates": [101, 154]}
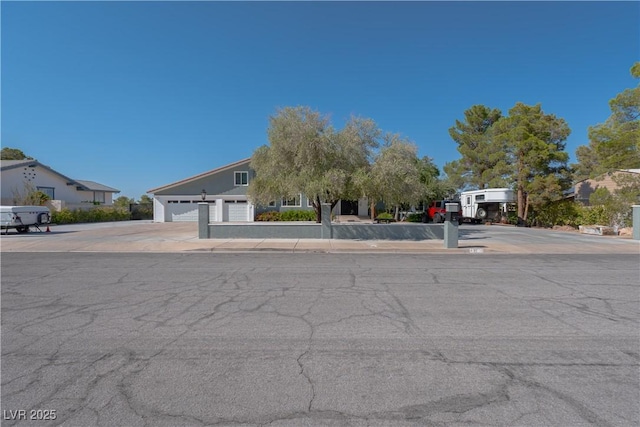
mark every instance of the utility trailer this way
{"type": "Point", "coordinates": [490, 204]}
{"type": "Point", "coordinates": [23, 217]}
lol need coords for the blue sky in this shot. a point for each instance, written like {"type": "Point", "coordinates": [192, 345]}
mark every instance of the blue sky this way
{"type": "Point", "coordinates": [136, 95]}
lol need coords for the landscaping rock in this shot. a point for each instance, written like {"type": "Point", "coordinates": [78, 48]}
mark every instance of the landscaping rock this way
{"type": "Point", "coordinates": [598, 230]}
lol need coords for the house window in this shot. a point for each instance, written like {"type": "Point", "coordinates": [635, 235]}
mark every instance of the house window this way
{"type": "Point", "coordinates": [272, 203]}
{"type": "Point", "coordinates": [293, 202]}
{"type": "Point", "coordinates": [49, 191]}
{"type": "Point", "coordinates": [241, 178]}
{"type": "Point", "coordinates": [309, 203]}
{"type": "Point", "coordinates": [98, 196]}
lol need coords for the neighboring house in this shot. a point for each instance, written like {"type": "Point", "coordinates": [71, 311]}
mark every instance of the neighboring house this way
{"type": "Point", "coordinates": [19, 176]}
{"type": "Point", "coordinates": [583, 189]}
{"type": "Point", "coordinates": [226, 192]}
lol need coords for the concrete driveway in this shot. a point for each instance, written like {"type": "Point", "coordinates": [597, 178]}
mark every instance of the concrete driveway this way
{"type": "Point", "coordinates": [146, 236]}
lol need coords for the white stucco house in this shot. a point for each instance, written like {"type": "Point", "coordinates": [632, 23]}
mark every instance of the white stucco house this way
{"type": "Point", "coordinates": [226, 192]}
{"type": "Point", "coordinates": [18, 176]}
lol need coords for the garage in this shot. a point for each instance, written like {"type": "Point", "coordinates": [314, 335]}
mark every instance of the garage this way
{"type": "Point", "coordinates": [236, 211]}
{"type": "Point", "coordinates": [224, 188]}
{"type": "Point", "coordinates": [182, 211]}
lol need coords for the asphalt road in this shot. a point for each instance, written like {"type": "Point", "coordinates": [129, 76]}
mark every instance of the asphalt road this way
{"type": "Point", "coordinates": [287, 339]}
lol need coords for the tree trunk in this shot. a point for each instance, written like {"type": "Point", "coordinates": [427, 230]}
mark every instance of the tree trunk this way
{"type": "Point", "coordinates": [396, 216]}
{"type": "Point", "coordinates": [520, 202]}
{"type": "Point", "coordinates": [373, 210]}
{"type": "Point", "coordinates": [317, 206]}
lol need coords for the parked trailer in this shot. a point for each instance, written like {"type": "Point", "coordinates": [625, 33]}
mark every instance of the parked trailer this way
{"type": "Point", "coordinates": [23, 217]}
{"type": "Point", "coordinates": [488, 204]}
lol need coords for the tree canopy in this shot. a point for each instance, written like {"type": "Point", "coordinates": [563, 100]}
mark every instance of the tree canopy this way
{"type": "Point", "coordinates": [524, 149]}
{"type": "Point", "coordinates": [307, 155]}
{"type": "Point", "coordinates": [483, 159]}
{"type": "Point", "coordinates": [396, 174]}
{"type": "Point", "coordinates": [614, 144]}
{"type": "Point", "coordinates": [535, 149]}
{"type": "Point", "coordinates": [13, 154]}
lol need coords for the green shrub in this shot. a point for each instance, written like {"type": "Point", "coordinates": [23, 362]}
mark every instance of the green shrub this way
{"type": "Point", "coordinates": [595, 215]}
{"type": "Point", "coordinates": [298, 215]}
{"type": "Point", "coordinates": [564, 212]}
{"type": "Point", "coordinates": [64, 216]}
{"type": "Point", "coordinates": [293, 215]}
{"type": "Point", "coordinates": [414, 217]}
{"type": "Point", "coordinates": [385, 216]}
{"type": "Point", "coordinates": [102, 214]}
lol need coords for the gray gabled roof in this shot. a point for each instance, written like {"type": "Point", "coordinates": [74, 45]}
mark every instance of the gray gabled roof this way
{"type": "Point", "coordinates": [200, 176]}
{"type": "Point", "coordinates": [82, 185]}
{"type": "Point", "coordinates": [96, 186]}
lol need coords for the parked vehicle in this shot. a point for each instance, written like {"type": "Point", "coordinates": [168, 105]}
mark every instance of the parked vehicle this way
{"type": "Point", "coordinates": [23, 217]}
{"type": "Point", "coordinates": [488, 204]}
{"type": "Point", "coordinates": [438, 209]}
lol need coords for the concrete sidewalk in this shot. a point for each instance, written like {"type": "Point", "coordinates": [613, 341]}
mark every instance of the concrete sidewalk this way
{"type": "Point", "coordinates": [139, 236]}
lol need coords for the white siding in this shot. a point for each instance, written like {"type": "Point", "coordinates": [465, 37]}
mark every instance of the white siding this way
{"type": "Point", "coordinates": [180, 212]}
{"type": "Point", "coordinates": [238, 212]}
{"type": "Point", "coordinates": [212, 212]}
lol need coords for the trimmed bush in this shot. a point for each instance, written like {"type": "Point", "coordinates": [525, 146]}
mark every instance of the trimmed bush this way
{"type": "Point", "coordinates": [293, 215]}
{"type": "Point", "coordinates": [385, 216]}
{"type": "Point", "coordinates": [102, 214]}
{"type": "Point", "coordinates": [298, 216]}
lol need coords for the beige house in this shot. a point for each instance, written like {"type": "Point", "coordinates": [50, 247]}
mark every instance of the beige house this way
{"type": "Point", "coordinates": [583, 189]}
{"type": "Point", "coordinates": [19, 176]}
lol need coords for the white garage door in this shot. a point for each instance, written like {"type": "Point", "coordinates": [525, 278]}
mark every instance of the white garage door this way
{"type": "Point", "coordinates": [237, 211]}
{"type": "Point", "coordinates": [182, 212]}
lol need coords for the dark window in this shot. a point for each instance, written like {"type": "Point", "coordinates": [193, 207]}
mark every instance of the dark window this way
{"type": "Point", "coordinates": [241, 178]}
{"type": "Point", "coordinates": [49, 191]}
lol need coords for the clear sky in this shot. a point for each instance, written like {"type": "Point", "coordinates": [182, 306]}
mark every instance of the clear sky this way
{"type": "Point", "coordinates": [136, 95]}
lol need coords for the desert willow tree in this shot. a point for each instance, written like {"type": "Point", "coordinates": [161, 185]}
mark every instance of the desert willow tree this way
{"type": "Point", "coordinates": [395, 175]}
{"type": "Point", "coordinates": [306, 155]}
{"type": "Point", "coordinates": [398, 177]}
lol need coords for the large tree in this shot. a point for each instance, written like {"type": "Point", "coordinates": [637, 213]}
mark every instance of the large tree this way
{"type": "Point", "coordinates": [534, 145]}
{"type": "Point", "coordinates": [614, 144]}
{"type": "Point", "coordinates": [307, 155]}
{"type": "Point", "coordinates": [482, 163]}
{"type": "Point", "coordinates": [396, 173]}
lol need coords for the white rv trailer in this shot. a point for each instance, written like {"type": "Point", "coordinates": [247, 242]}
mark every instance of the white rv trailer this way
{"type": "Point", "coordinates": [487, 204]}
{"type": "Point", "coordinates": [23, 217]}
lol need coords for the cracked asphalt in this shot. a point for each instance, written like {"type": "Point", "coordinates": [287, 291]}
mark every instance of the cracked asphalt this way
{"type": "Point", "coordinates": [295, 339]}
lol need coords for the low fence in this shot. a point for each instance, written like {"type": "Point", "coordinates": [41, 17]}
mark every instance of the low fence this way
{"type": "Point", "coordinates": [308, 230]}
{"type": "Point", "coordinates": [393, 231]}
{"type": "Point", "coordinates": [267, 230]}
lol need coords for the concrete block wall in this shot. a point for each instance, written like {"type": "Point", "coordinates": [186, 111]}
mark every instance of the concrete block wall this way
{"type": "Point", "coordinates": [325, 230]}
